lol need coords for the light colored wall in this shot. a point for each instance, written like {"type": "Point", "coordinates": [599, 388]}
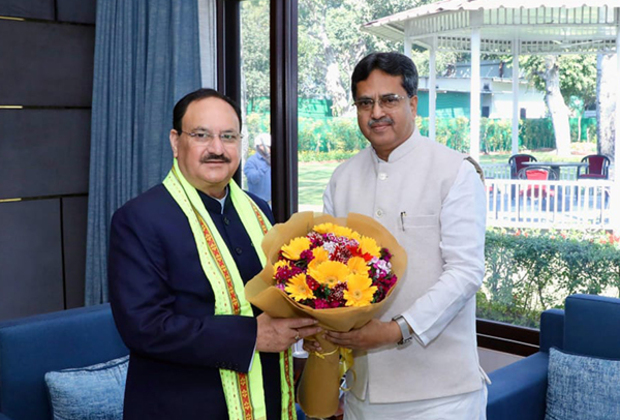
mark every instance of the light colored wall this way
{"type": "Point", "coordinates": [529, 98]}
{"type": "Point", "coordinates": [499, 96]}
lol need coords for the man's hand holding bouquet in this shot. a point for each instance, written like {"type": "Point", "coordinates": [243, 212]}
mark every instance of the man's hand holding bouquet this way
{"type": "Point", "coordinates": [338, 271]}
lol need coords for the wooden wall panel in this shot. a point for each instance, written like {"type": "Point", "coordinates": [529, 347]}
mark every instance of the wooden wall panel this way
{"type": "Point", "coordinates": [81, 11]}
{"type": "Point", "coordinates": [74, 211]}
{"type": "Point", "coordinates": [44, 152]}
{"type": "Point", "coordinates": [30, 258]}
{"type": "Point", "coordinates": [31, 9]}
{"type": "Point", "coordinates": [46, 64]}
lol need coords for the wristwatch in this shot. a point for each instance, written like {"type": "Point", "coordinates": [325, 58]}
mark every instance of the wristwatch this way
{"type": "Point", "coordinates": [404, 329]}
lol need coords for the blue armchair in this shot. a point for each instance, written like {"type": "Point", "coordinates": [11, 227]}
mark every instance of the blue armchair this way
{"type": "Point", "coordinates": [32, 346]}
{"type": "Point", "coordinates": [589, 326]}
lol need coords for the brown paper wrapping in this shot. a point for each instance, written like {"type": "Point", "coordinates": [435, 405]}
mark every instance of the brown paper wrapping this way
{"type": "Point", "coordinates": [319, 385]}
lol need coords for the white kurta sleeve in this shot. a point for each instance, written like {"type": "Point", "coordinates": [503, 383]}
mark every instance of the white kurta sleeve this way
{"type": "Point", "coordinates": [328, 202]}
{"type": "Point", "coordinates": [463, 224]}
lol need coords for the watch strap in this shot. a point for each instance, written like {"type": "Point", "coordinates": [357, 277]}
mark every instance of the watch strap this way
{"type": "Point", "coordinates": [404, 329]}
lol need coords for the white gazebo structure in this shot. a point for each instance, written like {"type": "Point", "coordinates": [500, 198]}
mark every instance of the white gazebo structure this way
{"type": "Point", "coordinates": [517, 27]}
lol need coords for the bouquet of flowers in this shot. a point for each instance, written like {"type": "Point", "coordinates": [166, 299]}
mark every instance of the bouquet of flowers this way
{"type": "Point", "coordinates": [334, 267]}
{"type": "Point", "coordinates": [338, 271]}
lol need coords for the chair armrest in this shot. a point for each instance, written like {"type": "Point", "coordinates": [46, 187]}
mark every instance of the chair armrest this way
{"type": "Point", "coordinates": [551, 329]}
{"type": "Point", "coordinates": [518, 391]}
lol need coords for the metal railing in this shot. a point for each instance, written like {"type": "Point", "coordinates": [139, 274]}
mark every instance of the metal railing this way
{"type": "Point", "coordinates": [549, 204]}
{"type": "Point", "coordinates": [496, 170]}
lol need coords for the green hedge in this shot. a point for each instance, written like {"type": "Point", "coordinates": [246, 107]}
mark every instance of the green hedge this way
{"type": "Point", "coordinates": [331, 135]}
{"type": "Point", "coordinates": [312, 156]}
{"type": "Point", "coordinates": [328, 135]}
{"type": "Point", "coordinates": [453, 132]}
{"type": "Point", "coordinates": [528, 271]}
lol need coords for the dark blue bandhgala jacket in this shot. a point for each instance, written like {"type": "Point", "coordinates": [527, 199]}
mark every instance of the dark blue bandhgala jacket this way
{"type": "Point", "coordinates": [163, 306]}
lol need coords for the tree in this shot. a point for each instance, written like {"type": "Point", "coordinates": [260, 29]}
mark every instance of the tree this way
{"type": "Point", "coordinates": [255, 46]}
{"type": "Point", "coordinates": [331, 44]}
{"type": "Point", "coordinates": [561, 77]}
{"type": "Point", "coordinates": [607, 100]}
{"type": "Point", "coordinates": [254, 59]}
{"type": "Point", "coordinates": [326, 29]}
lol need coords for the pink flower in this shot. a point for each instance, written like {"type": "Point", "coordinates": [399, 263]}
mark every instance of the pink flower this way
{"type": "Point", "coordinates": [285, 273]}
{"type": "Point", "coordinates": [306, 256]}
{"type": "Point", "coordinates": [321, 304]}
{"type": "Point", "coordinates": [312, 283]}
{"type": "Point", "coordinates": [316, 239]}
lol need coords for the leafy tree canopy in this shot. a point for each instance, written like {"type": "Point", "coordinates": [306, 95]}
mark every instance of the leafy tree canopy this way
{"type": "Point", "coordinates": [330, 43]}
{"type": "Point", "coordinates": [577, 76]}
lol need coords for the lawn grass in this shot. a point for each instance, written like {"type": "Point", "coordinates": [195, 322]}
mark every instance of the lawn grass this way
{"type": "Point", "coordinates": [313, 177]}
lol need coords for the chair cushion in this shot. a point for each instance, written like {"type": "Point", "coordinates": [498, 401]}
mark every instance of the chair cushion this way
{"type": "Point", "coordinates": [94, 392]}
{"type": "Point", "coordinates": [582, 387]}
{"type": "Point", "coordinates": [592, 176]}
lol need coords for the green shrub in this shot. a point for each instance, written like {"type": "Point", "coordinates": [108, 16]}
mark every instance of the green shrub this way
{"type": "Point", "coordinates": [337, 155]}
{"type": "Point", "coordinates": [343, 134]}
{"type": "Point", "coordinates": [311, 135]}
{"type": "Point", "coordinates": [452, 132]}
{"type": "Point", "coordinates": [256, 124]}
{"type": "Point", "coordinates": [346, 134]}
{"type": "Point", "coordinates": [528, 271]}
{"type": "Point", "coordinates": [536, 134]}
{"type": "Point", "coordinates": [495, 135]}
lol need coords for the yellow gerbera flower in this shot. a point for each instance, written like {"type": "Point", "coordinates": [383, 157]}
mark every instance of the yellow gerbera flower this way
{"type": "Point", "coordinates": [329, 273]}
{"type": "Point", "coordinates": [281, 263]}
{"type": "Point", "coordinates": [298, 289]}
{"type": "Point", "coordinates": [357, 265]}
{"type": "Point", "coordinates": [293, 250]}
{"type": "Point", "coordinates": [346, 232]}
{"type": "Point", "coordinates": [320, 256]}
{"type": "Point", "coordinates": [359, 290]}
{"type": "Point", "coordinates": [369, 246]}
{"type": "Point", "coordinates": [324, 228]}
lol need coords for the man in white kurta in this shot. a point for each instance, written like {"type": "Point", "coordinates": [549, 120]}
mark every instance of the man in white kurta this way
{"type": "Point", "coordinates": [419, 359]}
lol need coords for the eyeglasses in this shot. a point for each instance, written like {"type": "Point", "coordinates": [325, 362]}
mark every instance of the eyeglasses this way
{"type": "Point", "coordinates": [204, 137]}
{"type": "Point", "coordinates": [388, 101]}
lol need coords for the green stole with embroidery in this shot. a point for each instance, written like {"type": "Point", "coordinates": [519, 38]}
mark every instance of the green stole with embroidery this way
{"type": "Point", "coordinates": [245, 397]}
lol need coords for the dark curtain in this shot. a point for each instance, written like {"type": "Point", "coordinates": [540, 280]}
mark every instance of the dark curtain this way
{"type": "Point", "coordinates": [147, 56]}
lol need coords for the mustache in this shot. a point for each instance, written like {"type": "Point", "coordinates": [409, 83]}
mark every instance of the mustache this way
{"type": "Point", "coordinates": [384, 120]}
{"type": "Point", "coordinates": [212, 157]}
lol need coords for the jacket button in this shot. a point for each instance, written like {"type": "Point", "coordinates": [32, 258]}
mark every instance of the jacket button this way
{"type": "Point", "coordinates": [239, 251]}
{"type": "Point", "coordinates": [382, 176]}
{"type": "Point", "coordinates": [379, 213]}
{"type": "Point", "coordinates": [226, 221]}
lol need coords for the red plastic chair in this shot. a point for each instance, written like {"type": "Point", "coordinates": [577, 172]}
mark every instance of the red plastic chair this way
{"type": "Point", "coordinates": [538, 174]}
{"type": "Point", "coordinates": [516, 163]}
{"type": "Point", "coordinates": [598, 167]}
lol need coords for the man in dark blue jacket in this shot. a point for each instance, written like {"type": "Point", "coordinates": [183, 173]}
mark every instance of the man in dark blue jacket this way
{"type": "Point", "coordinates": [180, 254]}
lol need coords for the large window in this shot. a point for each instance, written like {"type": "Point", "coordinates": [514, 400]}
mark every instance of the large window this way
{"type": "Point", "coordinates": [527, 271]}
